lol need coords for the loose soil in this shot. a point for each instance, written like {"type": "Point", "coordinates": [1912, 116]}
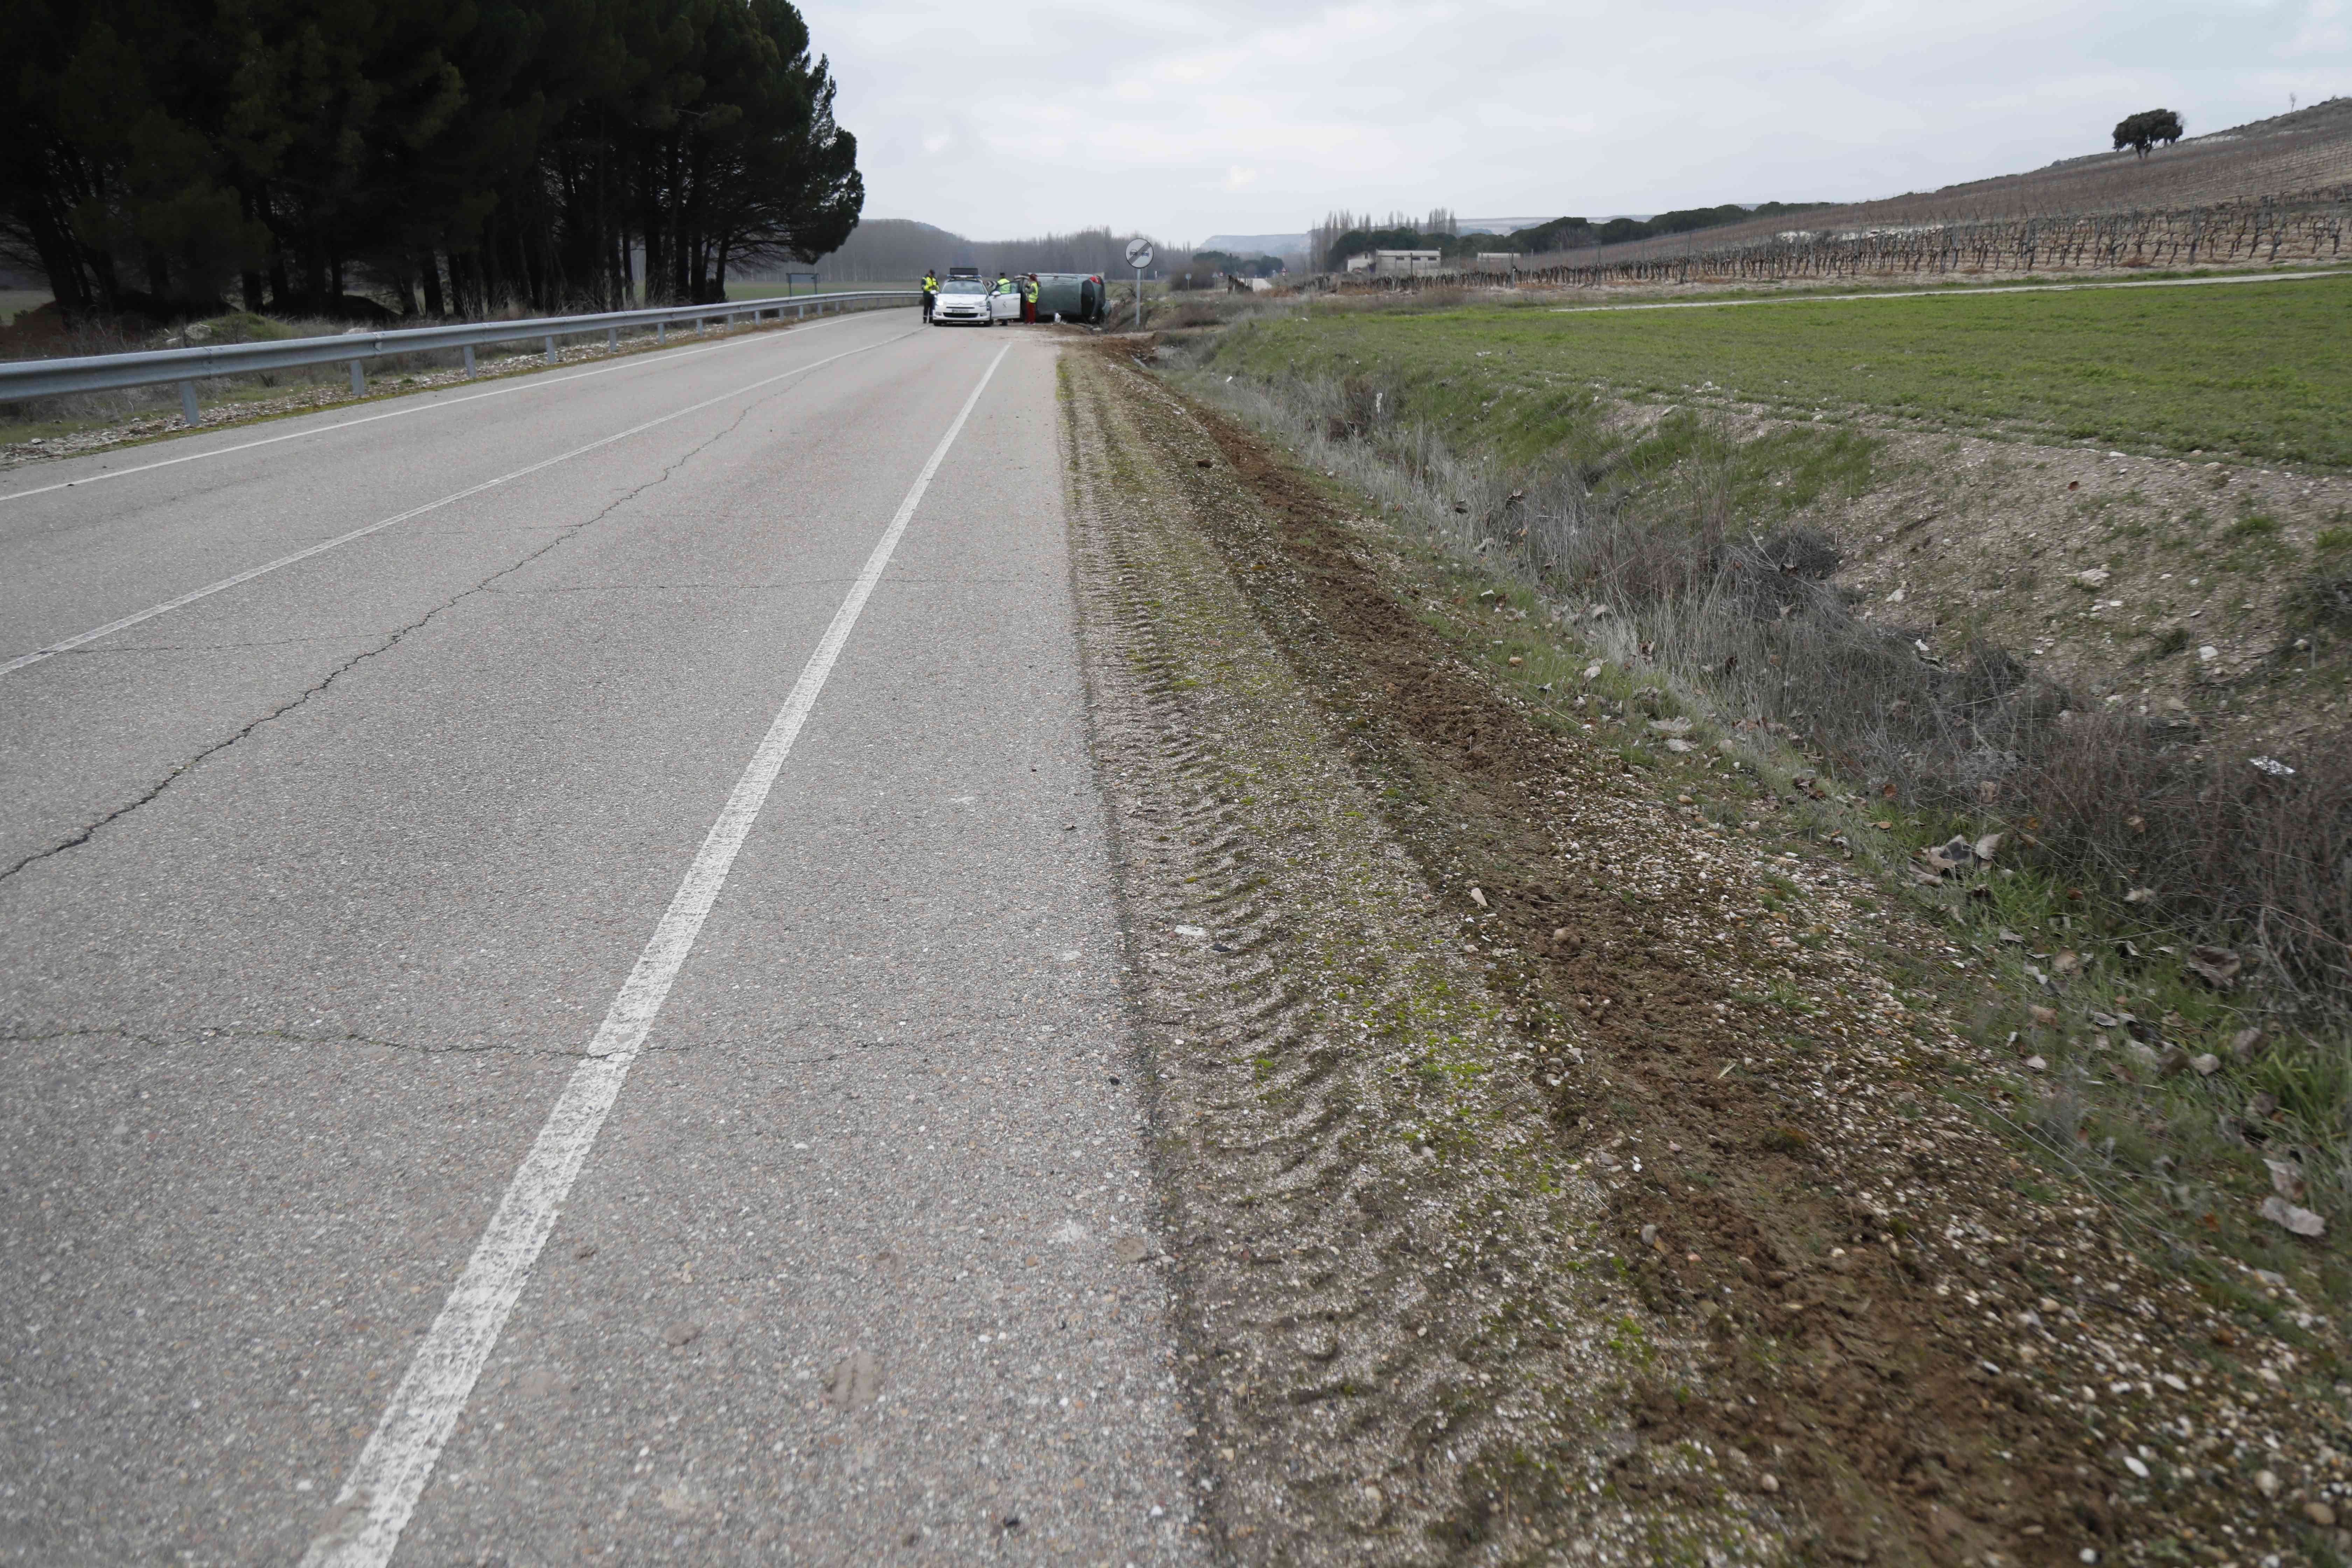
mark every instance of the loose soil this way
{"type": "Point", "coordinates": [1840, 1313]}
{"type": "Point", "coordinates": [2172, 589]}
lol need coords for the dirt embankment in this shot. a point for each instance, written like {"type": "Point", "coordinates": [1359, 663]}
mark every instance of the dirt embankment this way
{"type": "Point", "coordinates": [1709, 1252]}
{"type": "Point", "coordinates": [2181, 590]}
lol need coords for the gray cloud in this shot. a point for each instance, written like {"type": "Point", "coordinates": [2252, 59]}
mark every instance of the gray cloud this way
{"type": "Point", "coordinates": [1191, 117]}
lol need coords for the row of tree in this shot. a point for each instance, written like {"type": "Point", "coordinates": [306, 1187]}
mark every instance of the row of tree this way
{"type": "Point", "coordinates": [1228, 264]}
{"type": "Point", "coordinates": [1343, 233]}
{"type": "Point", "coordinates": [455, 156]}
{"type": "Point", "coordinates": [1575, 233]}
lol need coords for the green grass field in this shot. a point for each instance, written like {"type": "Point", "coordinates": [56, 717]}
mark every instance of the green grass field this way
{"type": "Point", "coordinates": [802, 291]}
{"type": "Point", "coordinates": [2260, 371]}
{"type": "Point", "coordinates": [12, 301]}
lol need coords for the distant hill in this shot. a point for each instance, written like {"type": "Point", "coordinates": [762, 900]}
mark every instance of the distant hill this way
{"type": "Point", "coordinates": [1497, 225]}
{"type": "Point", "coordinates": [1256, 244]}
{"type": "Point", "coordinates": [2284, 155]}
{"type": "Point", "coordinates": [896, 249]}
{"type": "Point", "coordinates": [2306, 152]}
{"type": "Point", "coordinates": [1298, 244]}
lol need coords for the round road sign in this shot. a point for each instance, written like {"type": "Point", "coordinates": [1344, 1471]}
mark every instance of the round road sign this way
{"type": "Point", "coordinates": [1139, 253]}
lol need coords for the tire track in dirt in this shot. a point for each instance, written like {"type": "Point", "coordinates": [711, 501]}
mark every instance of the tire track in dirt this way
{"type": "Point", "coordinates": [1405, 1335]}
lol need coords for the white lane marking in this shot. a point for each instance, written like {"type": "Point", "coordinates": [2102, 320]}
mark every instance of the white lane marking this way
{"type": "Point", "coordinates": [524, 383]}
{"type": "Point", "coordinates": [1962, 293]}
{"type": "Point", "coordinates": [152, 611]}
{"type": "Point", "coordinates": [383, 1489]}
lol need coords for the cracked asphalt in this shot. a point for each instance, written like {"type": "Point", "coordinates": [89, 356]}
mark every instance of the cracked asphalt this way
{"type": "Point", "coordinates": [312, 891]}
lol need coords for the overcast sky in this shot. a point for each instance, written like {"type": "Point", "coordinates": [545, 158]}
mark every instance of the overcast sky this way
{"type": "Point", "coordinates": [1185, 118]}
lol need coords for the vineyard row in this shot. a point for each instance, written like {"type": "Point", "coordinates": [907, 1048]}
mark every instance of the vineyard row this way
{"type": "Point", "coordinates": [2312, 227]}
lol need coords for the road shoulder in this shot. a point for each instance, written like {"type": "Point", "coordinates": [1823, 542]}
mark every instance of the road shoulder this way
{"type": "Point", "coordinates": [1402, 1327]}
{"type": "Point", "coordinates": [1888, 1337]}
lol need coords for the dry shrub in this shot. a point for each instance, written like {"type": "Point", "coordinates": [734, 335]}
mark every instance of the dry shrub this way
{"type": "Point", "coordinates": [2246, 856]}
{"type": "Point", "coordinates": [2322, 601]}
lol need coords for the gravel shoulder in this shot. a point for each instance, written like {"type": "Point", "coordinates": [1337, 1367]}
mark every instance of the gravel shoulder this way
{"type": "Point", "coordinates": [1398, 1298]}
{"type": "Point", "coordinates": [1718, 1249]}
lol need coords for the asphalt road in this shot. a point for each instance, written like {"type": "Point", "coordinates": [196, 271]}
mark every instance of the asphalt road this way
{"type": "Point", "coordinates": [333, 900]}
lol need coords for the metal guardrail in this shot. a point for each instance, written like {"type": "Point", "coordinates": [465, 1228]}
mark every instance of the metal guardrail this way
{"type": "Point", "coordinates": [21, 379]}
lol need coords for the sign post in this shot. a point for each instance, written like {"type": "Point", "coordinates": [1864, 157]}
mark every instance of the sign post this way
{"type": "Point", "coordinates": [1139, 256]}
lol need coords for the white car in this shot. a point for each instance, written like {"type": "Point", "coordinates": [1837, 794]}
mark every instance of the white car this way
{"type": "Point", "coordinates": [962, 300]}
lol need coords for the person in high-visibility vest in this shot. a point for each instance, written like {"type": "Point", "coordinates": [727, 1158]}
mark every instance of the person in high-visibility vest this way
{"type": "Point", "coordinates": [930, 291]}
{"type": "Point", "coordinates": [1029, 297]}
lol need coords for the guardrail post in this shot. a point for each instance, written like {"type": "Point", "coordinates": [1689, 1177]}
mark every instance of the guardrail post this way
{"type": "Point", "coordinates": [470, 362]}
{"type": "Point", "coordinates": [359, 379]}
{"type": "Point", "coordinates": [661, 331]}
{"type": "Point", "coordinates": [550, 348]}
{"type": "Point", "coordinates": [188, 403]}
{"type": "Point", "coordinates": [612, 338]}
